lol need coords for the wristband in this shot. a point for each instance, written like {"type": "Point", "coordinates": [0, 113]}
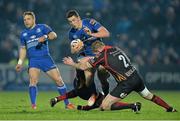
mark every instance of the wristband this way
{"type": "Point", "coordinates": [46, 36]}
{"type": "Point", "coordinates": [20, 62]}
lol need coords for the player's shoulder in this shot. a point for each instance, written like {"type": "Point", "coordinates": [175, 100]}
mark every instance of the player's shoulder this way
{"type": "Point", "coordinates": [24, 33]}
{"type": "Point", "coordinates": [89, 21]}
{"type": "Point", "coordinates": [41, 25]}
{"type": "Point", "coordinates": [72, 30]}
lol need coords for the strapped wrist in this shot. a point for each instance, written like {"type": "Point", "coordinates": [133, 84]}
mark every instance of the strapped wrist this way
{"type": "Point", "coordinates": [20, 62]}
{"type": "Point", "coordinates": [46, 36]}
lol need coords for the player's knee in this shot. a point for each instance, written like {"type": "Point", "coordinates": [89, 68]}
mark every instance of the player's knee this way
{"type": "Point", "coordinates": [146, 94]}
{"type": "Point", "coordinates": [33, 81]}
{"type": "Point", "coordinates": [59, 82]}
{"type": "Point", "coordinates": [105, 105]}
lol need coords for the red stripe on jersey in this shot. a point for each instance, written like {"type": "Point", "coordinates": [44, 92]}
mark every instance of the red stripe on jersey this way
{"type": "Point", "coordinates": [94, 64]}
{"type": "Point", "coordinates": [116, 74]}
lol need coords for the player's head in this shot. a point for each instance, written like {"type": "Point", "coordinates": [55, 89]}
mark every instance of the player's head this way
{"type": "Point", "coordinates": [74, 19]}
{"type": "Point", "coordinates": [29, 19]}
{"type": "Point", "coordinates": [97, 47]}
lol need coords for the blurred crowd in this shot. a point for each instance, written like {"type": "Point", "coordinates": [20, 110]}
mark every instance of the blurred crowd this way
{"type": "Point", "coordinates": [148, 30]}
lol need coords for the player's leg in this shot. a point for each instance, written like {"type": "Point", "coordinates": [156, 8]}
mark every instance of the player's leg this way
{"type": "Point", "coordinates": [145, 93]}
{"type": "Point", "coordinates": [103, 75]}
{"type": "Point", "coordinates": [111, 103]}
{"type": "Point", "coordinates": [54, 74]}
{"type": "Point", "coordinates": [33, 76]}
{"type": "Point", "coordinates": [68, 95]}
{"type": "Point", "coordinates": [98, 101]}
{"type": "Point", "coordinates": [118, 93]}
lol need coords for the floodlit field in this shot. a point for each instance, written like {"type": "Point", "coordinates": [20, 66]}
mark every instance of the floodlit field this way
{"type": "Point", "coordinates": [16, 105]}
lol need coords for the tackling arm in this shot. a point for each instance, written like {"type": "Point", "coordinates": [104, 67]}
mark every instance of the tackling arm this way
{"type": "Point", "coordinates": [82, 66]}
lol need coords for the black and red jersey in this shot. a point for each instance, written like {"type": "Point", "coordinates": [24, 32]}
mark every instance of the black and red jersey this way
{"type": "Point", "coordinates": [115, 61]}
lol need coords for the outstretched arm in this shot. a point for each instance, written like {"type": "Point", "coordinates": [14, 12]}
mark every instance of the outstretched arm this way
{"type": "Point", "coordinates": [83, 66]}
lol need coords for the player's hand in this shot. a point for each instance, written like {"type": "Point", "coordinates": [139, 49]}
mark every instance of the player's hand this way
{"type": "Point", "coordinates": [87, 31]}
{"type": "Point", "coordinates": [68, 61]}
{"type": "Point", "coordinates": [18, 67]}
{"type": "Point", "coordinates": [42, 39]}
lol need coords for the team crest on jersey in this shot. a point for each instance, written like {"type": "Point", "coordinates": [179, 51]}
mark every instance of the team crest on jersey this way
{"type": "Point", "coordinates": [38, 30]}
{"type": "Point", "coordinates": [92, 21]}
{"type": "Point", "coordinates": [123, 95]}
{"type": "Point", "coordinates": [24, 34]}
{"type": "Point", "coordinates": [33, 36]}
{"type": "Point", "coordinates": [75, 36]}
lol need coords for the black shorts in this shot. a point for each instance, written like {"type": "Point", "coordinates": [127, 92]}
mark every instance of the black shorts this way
{"type": "Point", "coordinates": [134, 83]}
{"type": "Point", "coordinates": [83, 91]}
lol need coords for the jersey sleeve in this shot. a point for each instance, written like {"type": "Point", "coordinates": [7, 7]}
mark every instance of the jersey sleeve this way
{"type": "Point", "coordinates": [70, 36]}
{"type": "Point", "coordinates": [96, 61]}
{"type": "Point", "coordinates": [22, 39]}
{"type": "Point", "coordinates": [95, 25]}
{"type": "Point", "coordinates": [46, 29]}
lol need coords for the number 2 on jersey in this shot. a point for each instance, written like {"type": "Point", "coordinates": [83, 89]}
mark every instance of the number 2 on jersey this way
{"type": "Point", "coordinates": [121, 57]}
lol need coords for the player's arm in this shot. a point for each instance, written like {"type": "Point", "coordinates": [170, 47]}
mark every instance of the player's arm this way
{"type": "Point", "coordinates": [82, 66]}
{"type": "Point", "coordinates": [102, 33]}
{"type": "Point", "coordinates": [22, 56]}
{"type": "Point", "coordinates": [48, 34]}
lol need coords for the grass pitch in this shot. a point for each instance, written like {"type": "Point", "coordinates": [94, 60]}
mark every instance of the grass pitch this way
{"type": "Point", "coordinates": [16, 106]}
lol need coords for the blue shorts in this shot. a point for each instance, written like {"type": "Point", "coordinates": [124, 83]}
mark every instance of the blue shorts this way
{"type": "Point", "coordinates": [45, 63]}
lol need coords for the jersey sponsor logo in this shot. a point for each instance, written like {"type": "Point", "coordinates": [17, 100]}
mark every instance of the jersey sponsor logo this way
{"type": "Point", "coordinates": [24, 34]}
{"type": "Point", "coordinates": [123, 95]}
{"type": "Point", "coordinates": [38, 30]}
{"type": "Point", "coordinates": [32, 40]}
{"type": "Point", "coordinates": [33, 36]}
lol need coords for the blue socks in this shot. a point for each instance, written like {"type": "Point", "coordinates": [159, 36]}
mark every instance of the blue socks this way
{"type": "Point", "coordinates": [62, 91]}
{"type": "Point", "coordinates": [32, 94]}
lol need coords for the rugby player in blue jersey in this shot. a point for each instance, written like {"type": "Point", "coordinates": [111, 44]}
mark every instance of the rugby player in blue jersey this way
{"type": "Point", "coordinates": [88, 31]}
{"type": "Point", "coordinates": [34, 44]}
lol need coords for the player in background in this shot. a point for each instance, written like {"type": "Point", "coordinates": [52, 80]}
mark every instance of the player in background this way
{"type": "Point", "coordinates": [89, 31]}
{"type": "Point", "coordinates": [118, 64]}
{"type": "Point", "coordinates": [34, 44]}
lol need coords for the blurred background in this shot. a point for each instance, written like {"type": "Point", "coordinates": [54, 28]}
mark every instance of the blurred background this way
{"type": "Point", "coordinates": [147, 30]}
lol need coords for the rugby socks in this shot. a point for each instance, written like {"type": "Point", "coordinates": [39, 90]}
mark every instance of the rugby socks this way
{"type": "Point", "coordinates": [160, 102]}
{"type": "Point", "coordinates": [68, 95]}
{"type": "Point", "coordinates": [32, 94]}
{"type": "Point", "coordinates": [121, 105]}
{"type": "Point", "coordinates": [62, 91]}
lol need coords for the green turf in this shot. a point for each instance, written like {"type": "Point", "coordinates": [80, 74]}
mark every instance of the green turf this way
{"type": "Point", "coordinates": [15, 105]}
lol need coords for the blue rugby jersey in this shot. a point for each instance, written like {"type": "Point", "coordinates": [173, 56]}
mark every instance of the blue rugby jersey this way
{"type": "Point", "coordinates": [29, 39]}
{"type": "Point", "coordinates": [93, 26]}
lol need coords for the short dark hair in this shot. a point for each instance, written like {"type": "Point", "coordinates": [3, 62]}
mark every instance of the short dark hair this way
{"type": "Point", "coordinates": [29, 13]}
{"type": "Point", "coordinates": [71, 13]}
